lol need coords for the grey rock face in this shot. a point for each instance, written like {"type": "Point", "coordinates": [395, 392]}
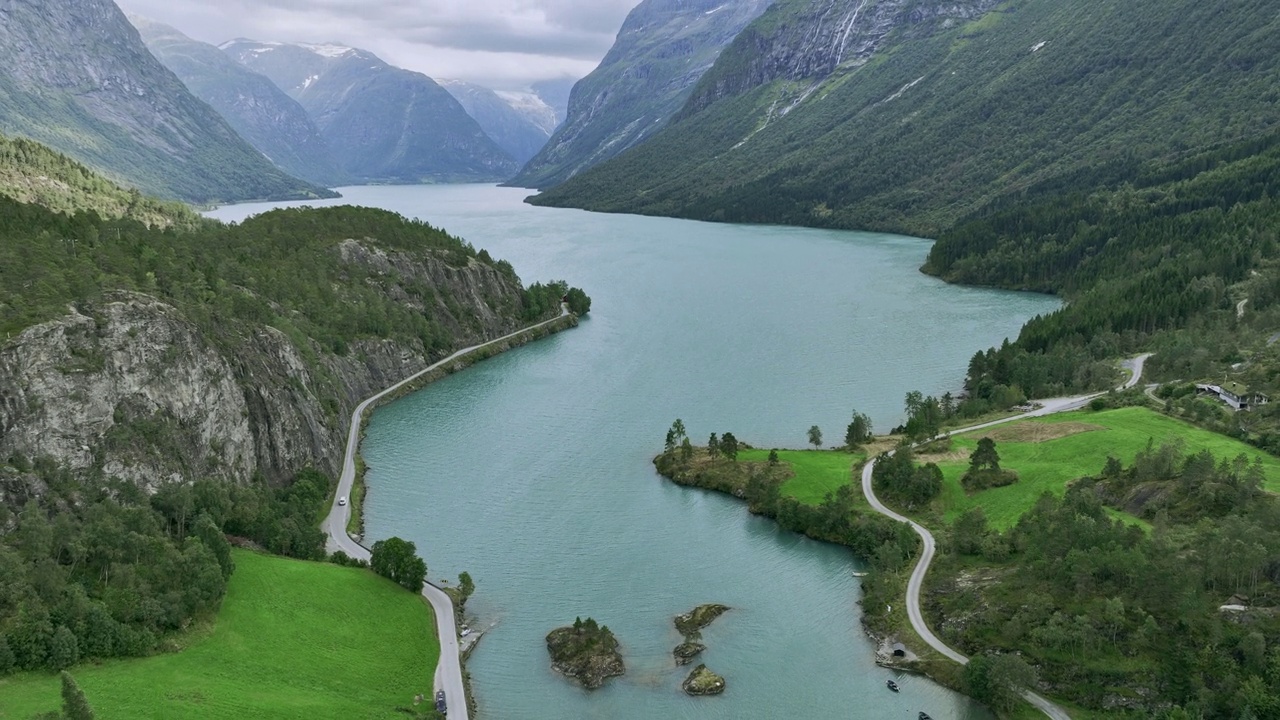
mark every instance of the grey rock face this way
{"type": "Point", "coordinates": [812, 43]}
{"type": "Point", "coordinates": [128, 387]}
{"type": "Point", "coordinates": [662, 50]}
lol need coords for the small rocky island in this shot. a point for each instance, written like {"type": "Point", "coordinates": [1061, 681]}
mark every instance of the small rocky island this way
{"type": "Point", "coordinates": [690, 626]}
{"type": "Point", "coordinates": [686, 651]}
{"type": "Point", "coordinates": [703, 682]}
{"type": "Point", "coordinates": [698, 618]}
{"type": "Point", "coordinates": [586, 652]}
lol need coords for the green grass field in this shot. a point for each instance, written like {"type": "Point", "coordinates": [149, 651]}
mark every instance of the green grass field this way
{"type": "Point", "coordinates": [1050, 465]}
{"type": "Point", "coordinates": [293, 640]}
{"type": "Point", "coordinates": [817, 472]}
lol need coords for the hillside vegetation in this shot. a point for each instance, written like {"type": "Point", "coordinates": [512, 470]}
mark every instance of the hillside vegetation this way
{"type": "Point", "coordinates": [293, 640]}
{"type": "Point", "coordinates": [32, 173]}
{"type": "Point", "coordinates": [941, 118]}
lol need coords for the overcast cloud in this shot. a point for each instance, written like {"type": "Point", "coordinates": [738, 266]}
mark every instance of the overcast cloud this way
{"type": "Point", "coordinates": [504, 44]}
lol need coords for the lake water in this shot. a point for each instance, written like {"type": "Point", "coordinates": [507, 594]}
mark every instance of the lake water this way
{"type": "Point", "coordinates": [532, 470]}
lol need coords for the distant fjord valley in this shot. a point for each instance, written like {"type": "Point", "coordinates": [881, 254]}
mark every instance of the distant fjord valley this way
{"type": "Point", "coordinates": [331, 389]}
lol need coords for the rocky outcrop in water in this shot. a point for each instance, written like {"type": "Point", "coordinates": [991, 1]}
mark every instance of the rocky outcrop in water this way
{"type": "Point", "coordinates": [586, 652]}
{"type": "Point", "coordinates": [703, 682]}
{"type": "Point", "coordinates": [700, 617]}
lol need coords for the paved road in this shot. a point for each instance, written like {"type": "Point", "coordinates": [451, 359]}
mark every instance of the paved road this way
{"type": "Point", "coordinates": [914, 585]}
{"type": "Point", "coordinates": [449, 670]}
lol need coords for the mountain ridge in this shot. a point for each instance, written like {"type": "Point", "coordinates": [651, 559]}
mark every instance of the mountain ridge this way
{"type": "Point", "coordinates": [79, 78]}
{"type": "Point", "coordinates": [260, 112]}
{"type": "Point", "coordinates": [662, 49]}
{"type": "Point", "coordinates": [383, 123]}
{"type": "Point", "coordinates": [950, 113]}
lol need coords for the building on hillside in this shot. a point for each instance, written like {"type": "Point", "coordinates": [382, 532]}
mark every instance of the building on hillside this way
{"type": "Point", "coordinates": [1238, 396]}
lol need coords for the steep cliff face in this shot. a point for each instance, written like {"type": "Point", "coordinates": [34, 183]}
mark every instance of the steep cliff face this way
{"type": "Point", "coordinates": [75, 75]}
{"type": "Point", "coordinates": [260, 112]}
{"type": "Point", "coordinates": [383, 123]}
{"type": "Point", "coordinates": [128, 387]}
{"type": "Point", "coordinates": [663, 48]}
{"type": "Point", "coordinates": [813, 40]}
{"type": "Point", "coordinates": [907, 115]}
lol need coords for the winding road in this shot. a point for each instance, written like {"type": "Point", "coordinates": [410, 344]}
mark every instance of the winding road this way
{"type": "Point", "coordinates": [448, 675]}
{"type": "Point", "coordinates": [914, 585]}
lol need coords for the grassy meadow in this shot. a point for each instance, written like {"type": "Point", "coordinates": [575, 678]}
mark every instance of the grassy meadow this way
{"type": "Point", "coordinates": [293, 640]}
{"type": "Point", "coordinates": [817, 472]}
{"type": "Point", "coordinates": [1050, 452]}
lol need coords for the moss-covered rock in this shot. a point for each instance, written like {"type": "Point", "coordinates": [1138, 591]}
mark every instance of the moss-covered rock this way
{"type": "Point", "coordinates": [703, 682]}
{"type": "Point", "coordinates": [586, 652]}
{"type": "Point", "coordinates": [686, 651]}
{"type": "Point", "coordinates": [698, 618]}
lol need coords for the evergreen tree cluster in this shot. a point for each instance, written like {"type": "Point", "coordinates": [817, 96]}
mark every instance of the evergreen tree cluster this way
{"type": "Point", "coordinates": [1142, 252]}
{"type": "Point", "coordinates": [95, 568]}
{"type": "Point", "coordinates": [1117, 618]}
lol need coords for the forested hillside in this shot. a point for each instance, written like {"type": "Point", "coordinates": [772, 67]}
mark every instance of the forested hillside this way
{"type": "Point", "coordinates": [916, 116]}
{"type": "Point", "coordinates": [225, 351]}
{"type": "Point", "coordinates": [167, 381]}
{"type": "Point", "coordinates": [32, 173]}
{"type": "Point", "coordinates": [1155, 255]}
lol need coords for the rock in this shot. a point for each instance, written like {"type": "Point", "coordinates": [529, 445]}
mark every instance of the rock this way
{"type": "Point", "coordinates": [698, 618]}
{"type": "Point", "coordinates": [703, 682]}
{"type": "Point", "coordinates": [585, 652]}
{"type": "Point", "coordinates": [686, 651]}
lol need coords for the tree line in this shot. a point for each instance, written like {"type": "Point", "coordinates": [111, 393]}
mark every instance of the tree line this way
{"type": "Point", "coordinates": [97, 569]}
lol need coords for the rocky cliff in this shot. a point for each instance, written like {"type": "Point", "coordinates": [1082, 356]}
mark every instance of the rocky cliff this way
{"type": "Point", "coordinates": [128, 386]}
{"type": "Point", "coordinates": [384, 124]}
{"type": "Point", "coordinates": [662, 50]}
{"type": "Point", "coordinates": [75, 75]}
{"type": "Point", "coordinates": [274, 123]}
{"type": "Point", "coordinates": [811, 41]}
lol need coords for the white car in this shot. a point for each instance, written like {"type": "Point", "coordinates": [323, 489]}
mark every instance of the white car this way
{"type": "Point", "coordinates": [342, 500]}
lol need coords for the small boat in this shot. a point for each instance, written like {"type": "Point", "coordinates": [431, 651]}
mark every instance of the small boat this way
{"type": "Point", "coordinates": [925, 716]}
{"type": "Point", "coordinates": [892, 685]}
{"type": "Point", "coordinates": [859, 574]}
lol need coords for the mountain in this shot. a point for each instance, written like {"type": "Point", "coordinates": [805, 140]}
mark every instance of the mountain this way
{"type": "Point", "coordinates": [555, 94]}
{"type": "Point", "coordinates": [908, 115]}
{"type": "Point", "coordinates": [661, 51]}
{"type": "Point", "coordinates": [516, 122]}
{"type": "Point", "coordinates": [384, 124]}
{"type": "Point", "coordinates": [260, 112]}
{"type": "Point", "coordinates": [77, 77]}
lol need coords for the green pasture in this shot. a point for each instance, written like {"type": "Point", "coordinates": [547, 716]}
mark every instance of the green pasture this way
{"type": "Point", "coordinates": [1051, 465]}
{"type": "Point", "coordinates": [293, 640]}
{"type": "Point", "coordinates": [817, 472]}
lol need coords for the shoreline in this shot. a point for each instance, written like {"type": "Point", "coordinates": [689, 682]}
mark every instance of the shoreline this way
{"type": "Point", "coordinates": [450, 676]}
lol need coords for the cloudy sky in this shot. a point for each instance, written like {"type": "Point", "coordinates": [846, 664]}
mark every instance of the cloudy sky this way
{"type": "Point", "coordinates": [505, 44]}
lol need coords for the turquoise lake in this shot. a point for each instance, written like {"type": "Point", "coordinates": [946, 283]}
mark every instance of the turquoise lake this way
{"type": "Point", "coordinates": [532, 470]}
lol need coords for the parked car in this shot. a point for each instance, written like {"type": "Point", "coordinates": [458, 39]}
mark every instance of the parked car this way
{"type": "Point", "coordinates": [440, 704]}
